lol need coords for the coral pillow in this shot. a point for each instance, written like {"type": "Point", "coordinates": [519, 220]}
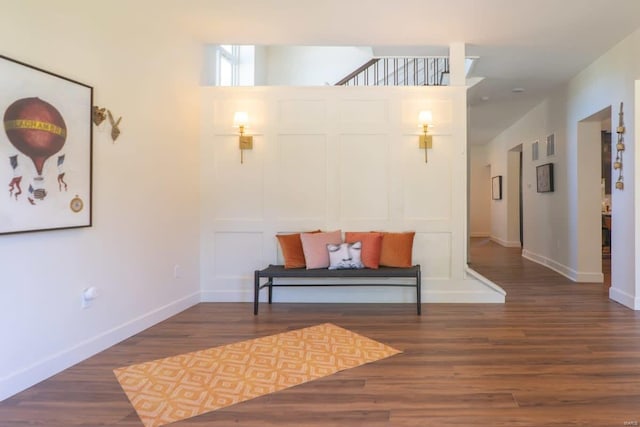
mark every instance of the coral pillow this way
{"type": "Point", "coordinates": [291, 247]}
{"type": "Point", "coordinates": [371, 246]}
{"type": "Point", "coordinates": [345, 256]}
{"type": "Point", "coordinates": [397, 249]}
{"type": "Point", "coordinates": [314, 246]}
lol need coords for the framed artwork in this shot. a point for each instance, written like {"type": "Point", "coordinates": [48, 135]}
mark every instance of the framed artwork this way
{"type": "Point", "coordinates": [45, 150]}
{"type": "Point", "coordinates": [544, 178]}
{"type": "Point", "coordinates": [551, 145]}
{"type": "Point", "coordinates": [496, 187]}
{"type": "Point", "coordinates": [534, 151]}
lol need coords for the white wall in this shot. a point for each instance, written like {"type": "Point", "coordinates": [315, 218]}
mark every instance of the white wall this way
{"type": "Point", "coordinates": [334, 158]}
{"type": "Point", "coordinates": [145, 189]}
{"type": "Point", "coordinates": [312, 65]}
{"type": "Point", "coordinates": [479, 192]}
{"type": "Point", "coordinates": [556, 223]}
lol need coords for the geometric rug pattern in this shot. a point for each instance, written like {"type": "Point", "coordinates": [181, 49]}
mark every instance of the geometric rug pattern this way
{"type": "Point", "coordinates": [175, 388]}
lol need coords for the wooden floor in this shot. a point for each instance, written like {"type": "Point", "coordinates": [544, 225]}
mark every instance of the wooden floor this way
{"type": "Point", "coordinates": [556, 354]}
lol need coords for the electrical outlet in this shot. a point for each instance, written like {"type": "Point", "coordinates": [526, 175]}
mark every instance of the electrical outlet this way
{"type": "Point", "coordinates": [87, 297]}
{"type": "Point", "coordinates": [177, 271]}
{"type": "Point", "coordinates": [85, 304]}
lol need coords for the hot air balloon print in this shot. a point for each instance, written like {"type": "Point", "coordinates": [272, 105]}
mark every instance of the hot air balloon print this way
{"type": "Point", "coordinates": [36, 128]}
{"type": "Point", "coordinates": [45, 149]}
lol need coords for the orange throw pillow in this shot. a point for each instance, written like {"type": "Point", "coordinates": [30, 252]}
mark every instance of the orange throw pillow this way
{"type": "Point", "coordinates": [371, 246]}
{"type": "Point", "coordinates": [292, 252]}
{"type": "Point", "coordinates": [397, 249]}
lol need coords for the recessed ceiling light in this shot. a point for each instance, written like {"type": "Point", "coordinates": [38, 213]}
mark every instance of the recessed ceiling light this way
{"type": "Point", "coordinates": [517, 90]}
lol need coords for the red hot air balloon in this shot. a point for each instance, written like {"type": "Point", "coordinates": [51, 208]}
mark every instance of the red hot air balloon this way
{"type": "Point", "coordinates": [36, 128]}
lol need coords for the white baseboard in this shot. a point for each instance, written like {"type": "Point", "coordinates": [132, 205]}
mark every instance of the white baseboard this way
{"type": "Point", "coordinates": [43, 369]}
{"type": "Point", "coordinates": [479, 234]}
{"type": "Point", "coordinates": [505, 243]}
{"type": "Point", "coordinates": [576, 276]}
{"type": "Point", "coordinates": [624, 298]}
{"type": "Point", "coordinates": [471, 289]}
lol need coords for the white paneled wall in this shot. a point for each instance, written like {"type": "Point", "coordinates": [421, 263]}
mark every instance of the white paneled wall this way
{"type": "Point", "coordinates": [334, 158]}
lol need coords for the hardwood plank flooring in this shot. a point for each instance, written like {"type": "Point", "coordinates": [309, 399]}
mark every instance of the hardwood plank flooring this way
{"type": "Point", "coordinates": [557, 353]}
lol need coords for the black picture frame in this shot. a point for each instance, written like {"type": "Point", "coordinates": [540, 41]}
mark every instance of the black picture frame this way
{"type": "Point", "coordinates": [46, 150]}
{"type": "Point", "coordinates": [496, 187]}
{"type": "Point", "coordinates": [544, 178]}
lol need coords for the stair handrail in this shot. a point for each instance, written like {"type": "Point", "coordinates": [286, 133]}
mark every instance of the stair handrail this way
{"type": "Point", "coordinates": [385, 72]}
{"type": "Point", "coordinates": [357, 71]}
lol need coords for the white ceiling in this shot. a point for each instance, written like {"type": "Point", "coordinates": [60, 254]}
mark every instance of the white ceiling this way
{"type": "Point", "coordinates": [535, 45]}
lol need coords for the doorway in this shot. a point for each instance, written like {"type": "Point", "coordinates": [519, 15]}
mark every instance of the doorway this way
{"type": "Point", "coordinates": [607, 208]}
{"type": "Point", "coordinates": [515, 211]}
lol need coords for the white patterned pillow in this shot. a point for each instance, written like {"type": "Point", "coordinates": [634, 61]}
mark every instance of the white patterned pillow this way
{"type": "Point", "coordinates": [345, 256]}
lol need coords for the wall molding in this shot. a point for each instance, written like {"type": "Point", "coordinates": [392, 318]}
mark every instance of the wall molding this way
{"type": "Point", "coordinates": [45, 368]}
{"type": "Point", "coordinates": [505, 243]}
{"type": "Point", "coordinates": [480, 234]}
{"type": "Point", "coordinates": [624, 298]}
{"type": "Point", "coordinates": [576, 276]}
{"type": "Point", "coordinates": [474, 289]}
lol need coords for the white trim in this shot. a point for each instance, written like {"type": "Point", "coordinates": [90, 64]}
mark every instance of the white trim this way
{"type": "Point", "coordinates": [505, 243]}
{"type": "Point", "coordinates": [473, 289]}
{"type": "Point", "coordinates": [624, 298]}
{"type": "Point", "coordinates": [479, 234]}
{"type": "Point", "coordinates": [43, 369]}
{"type": "Point", "coordinates": [576, 276]}
{"type": "Point", "coordinates": [482, 279]}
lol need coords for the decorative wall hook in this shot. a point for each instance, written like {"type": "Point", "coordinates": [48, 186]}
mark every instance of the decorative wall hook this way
{"type": "Point", "coordinates": [98, 115]}
{"type": "Point", "coordinates": [115, 130]}
{"type": "Point", "coordinates": [617, 165]}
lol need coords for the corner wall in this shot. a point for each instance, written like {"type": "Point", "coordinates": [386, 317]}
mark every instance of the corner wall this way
{"type": "Point", "coordinates": [145, 189]}
{"type": "Point", "coordinates": [479, 192]}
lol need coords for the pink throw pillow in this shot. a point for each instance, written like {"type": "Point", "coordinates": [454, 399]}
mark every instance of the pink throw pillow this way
{"type": "Point", "coordinates": [314, 246]}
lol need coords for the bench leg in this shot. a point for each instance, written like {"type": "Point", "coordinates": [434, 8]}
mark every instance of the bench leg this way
{"type": "Point", "coordinates": [270, 290]}
{"type": "Point", "coordinates": [256, 291]}
{"type": "Point", "coordinates": [418, 289]}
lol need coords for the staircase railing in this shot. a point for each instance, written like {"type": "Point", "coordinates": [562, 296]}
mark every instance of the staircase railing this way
{"type": "Point", "coordinates": [426, 71]}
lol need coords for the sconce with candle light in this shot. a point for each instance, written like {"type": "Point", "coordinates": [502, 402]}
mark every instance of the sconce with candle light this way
{"type": "Point", "coordinates": [245, 142]}
{"type": "Point", "coordinates": [425, 119]}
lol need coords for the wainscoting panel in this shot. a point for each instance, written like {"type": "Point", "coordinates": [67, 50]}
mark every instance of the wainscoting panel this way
{"type": "Point", "coordinates": [367, 112]}
{"type": "Point", "coordinates": [301, 185]}
{"type": "Point", "coordinates": [427, 186]}
{"type": "Point", "coordinates": [238, 188]}
{"type": "Point", "coordinates": [433, 252]}
{"type": "Point", "coordinates": [301, 114]}
{"type": "Point", "coordinates": [364, 177]}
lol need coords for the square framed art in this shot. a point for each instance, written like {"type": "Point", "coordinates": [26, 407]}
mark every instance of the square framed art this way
{"type": "Point", "coordinates": [544, 178]}
{"type": "Point", "coordinates": [45, 150]}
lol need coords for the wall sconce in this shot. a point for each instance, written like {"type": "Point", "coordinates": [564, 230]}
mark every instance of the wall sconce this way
{"type": "Point", "coordinates": [425, 118]}
{"type": "Point", "coordinates": [240, 121]}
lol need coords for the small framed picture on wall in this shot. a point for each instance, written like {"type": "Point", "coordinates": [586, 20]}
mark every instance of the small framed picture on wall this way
{"type": "Point", "coordinates": [496, 187]}
{"type": "Point", "coordinates": [544, 178]}
{"type": "Point", "coordinates": [551, 145]}
{"type": "Point", "coordinates": [534, 151]}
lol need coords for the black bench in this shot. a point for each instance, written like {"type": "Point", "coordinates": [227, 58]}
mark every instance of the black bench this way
{"type": "Point", "coordinates": [279, 272]}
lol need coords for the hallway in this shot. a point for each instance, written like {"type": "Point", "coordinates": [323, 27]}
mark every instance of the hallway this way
{"type": "Point", "coordinates": [527, 281]}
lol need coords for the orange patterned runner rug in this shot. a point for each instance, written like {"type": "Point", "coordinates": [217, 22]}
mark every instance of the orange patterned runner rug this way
{"type": "Point", "coordinates": [175, 388]}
